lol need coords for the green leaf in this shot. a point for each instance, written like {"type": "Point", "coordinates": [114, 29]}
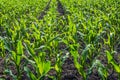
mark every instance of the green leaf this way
{"type": "Point", "coordinates": [74, 53]}
{"type": "Point", "coordinates": [9, 72]}
{"type": "Point", "coordinates": [117, 67]}
{"type": "Point", "coordinates": [30, 74]}
{"type": "Point", "coordinates": [111, 60]}
{"type": "Point", "coordinates": [103, 72]}
{"type": "Point", "coordinates": [44, 67]}
{"type": "Point", "coordinates": [41, 67]}
{"type": "Point", "coordinates": [101, 69]}
{"type": "Point", "coordinates": [19, 52]}
{"type": "Point", "coordinates": [30, 50]}
{"type": "Point", "coordinates": [56, 67]}
{"type": "Point", "coordinates": [85, 53]}
{"type": "Point", "coordinates": [47, 67]}
{"type": "Point", "coordinates": [109, 56]}
{"type": "Point", "coordinates": [19, 48]}
{"type": "Point", "coordinates": [29, 60]}
{"type": "Point", "coordinates": [14, 56]}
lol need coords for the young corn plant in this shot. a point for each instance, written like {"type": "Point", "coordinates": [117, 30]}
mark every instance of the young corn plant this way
{"type": "Point", "coordinates": [113, 62]}
{"type": "Point", "coordinates": [59, 63]}
{"type": "Point", "coordinates": [58, 67]}
{"type": "Point", "coordinates": [78, 65]}
{"type": "Point", "coordinates": [101, 69]}
{"type": "Point", "coordinates": [41, 65]}
{"type": "Point", "coordinates": [17, 56]}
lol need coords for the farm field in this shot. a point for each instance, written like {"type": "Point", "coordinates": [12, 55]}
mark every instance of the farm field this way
{"type": "Point", "coordinates": [59, 39]}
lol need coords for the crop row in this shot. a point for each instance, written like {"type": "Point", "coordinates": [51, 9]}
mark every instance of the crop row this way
{"type": "Point", "coordinates": [38, 36]}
